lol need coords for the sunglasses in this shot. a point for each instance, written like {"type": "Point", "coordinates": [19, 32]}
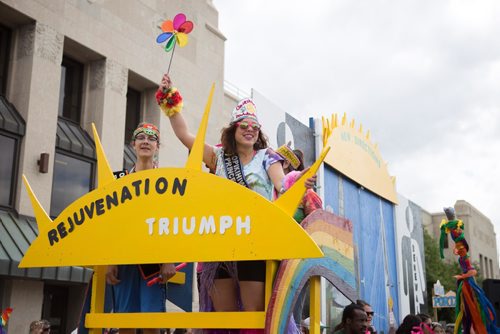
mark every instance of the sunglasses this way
{"type": "Point", "coordinates": [370, 314]}
{"type": "Point", "coordinates": [243, 125]}
{"type": "Point", "coordinates": [46, 330]}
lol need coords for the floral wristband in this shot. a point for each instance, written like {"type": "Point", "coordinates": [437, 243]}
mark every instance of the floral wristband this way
{"type": "Point", "coordinates": [170, 101]}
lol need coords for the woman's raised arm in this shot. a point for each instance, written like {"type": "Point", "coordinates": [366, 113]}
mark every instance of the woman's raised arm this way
{"type": "Point", "coordinates": [170, 102]}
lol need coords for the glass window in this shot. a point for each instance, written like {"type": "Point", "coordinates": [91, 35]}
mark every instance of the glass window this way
{"type": "Point", "coordinates": [8, 147]}
{"type": "Point", "coordinates": [133, 115]}
{"type": "Point", "coordinates": [334, 301]}
{"type": "Point", "coordinates": [72, 179]}
{"type": "Point", "coordinates": [4, 57]}
{"type": "Point", "coordinates": [70, 90]}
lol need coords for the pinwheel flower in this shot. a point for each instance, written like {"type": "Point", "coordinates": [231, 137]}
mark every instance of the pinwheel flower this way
{"type": "Point", "coordinates": [175, 31]}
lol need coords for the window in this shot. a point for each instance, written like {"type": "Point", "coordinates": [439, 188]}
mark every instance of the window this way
{"type": "Point", "coordinates": [4, 57]}
{"type": "Point", "coordinates": [132, 119]}
{"type": "Point", "coordinates": [74, 165]}
{"type": "Point", "coordinates": [70, 91]}
{"type": "Point", "coordinates": [55, 307]}
{"type": "Point", "coordinates": [133, 115]}
{"type": "Point", "coordinates": [73, 178]}
{"type": "Point", "coordinates": [8, 167]}
{"type": "Point", "coordinates": [12, 129]}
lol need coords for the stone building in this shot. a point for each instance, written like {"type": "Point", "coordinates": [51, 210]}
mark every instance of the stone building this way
{"type": "Point", "coordinates": [65, 64]}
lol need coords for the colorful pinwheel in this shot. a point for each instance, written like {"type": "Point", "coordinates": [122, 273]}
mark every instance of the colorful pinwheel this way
{"type": "Point", "coordinates": [175, 31]}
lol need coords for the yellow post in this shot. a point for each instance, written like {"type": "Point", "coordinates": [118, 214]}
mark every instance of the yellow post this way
{"type": "Point", "coordinates": [315, 305]}
{"type": "Point", "coordinates": [98, 289]}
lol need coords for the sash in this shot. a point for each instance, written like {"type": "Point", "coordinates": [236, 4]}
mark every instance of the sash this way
{"type": "Point", "coordinates": [234, 170]}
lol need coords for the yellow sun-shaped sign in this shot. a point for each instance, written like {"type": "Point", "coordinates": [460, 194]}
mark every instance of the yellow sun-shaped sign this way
{"type": "Point", "coordinates": [168, 215]}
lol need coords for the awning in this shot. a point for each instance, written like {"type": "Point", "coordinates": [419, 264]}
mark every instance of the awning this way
{"type": "Point", "coordinates": [72, 138]}
{"type": "Point", "coordinates": [10, 120]}
{"type": "Point", "coordinates": [16, 235]}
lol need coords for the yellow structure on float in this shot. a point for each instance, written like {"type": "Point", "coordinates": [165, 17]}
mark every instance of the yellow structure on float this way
{"type": "Point", "coordinates": [169, 215]}
{"type": "Point", "coordinates": [357, 157]}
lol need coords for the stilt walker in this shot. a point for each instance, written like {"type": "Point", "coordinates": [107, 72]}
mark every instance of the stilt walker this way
{"type": "Point", "coordinates": [474, 312]}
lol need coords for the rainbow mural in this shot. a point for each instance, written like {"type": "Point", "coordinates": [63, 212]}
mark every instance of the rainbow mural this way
{"type": "Point", "coordinates": [333, 235]}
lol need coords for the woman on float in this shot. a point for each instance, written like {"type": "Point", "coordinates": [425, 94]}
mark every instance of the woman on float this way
{"type": "Point", "coordinates": [130, 291]}
{"type": "Point", "coordinates": [246, 147]}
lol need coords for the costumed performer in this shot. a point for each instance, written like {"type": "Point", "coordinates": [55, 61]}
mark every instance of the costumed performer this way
{"type": "Point", "coordinates": [129, 282]}
{"type": "Point", "coordinates": [474, 312]}
{"type": "Point", "coordinates": [245, 150]}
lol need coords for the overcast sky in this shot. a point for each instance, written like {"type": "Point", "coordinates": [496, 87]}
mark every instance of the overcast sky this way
{"type": "Point", "coordinates": [423, 76]}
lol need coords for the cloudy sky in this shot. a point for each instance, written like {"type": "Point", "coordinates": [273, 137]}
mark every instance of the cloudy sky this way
{"type": "Point", "coordinates": [423, 76]}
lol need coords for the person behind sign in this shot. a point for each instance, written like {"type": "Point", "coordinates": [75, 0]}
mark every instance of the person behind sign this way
{"type": "Point", "coordinates": [245, 153]}
{"type": "Point", "coordinates": [131, 293]}
{"type": "Point", "coordinates": [293, 165]}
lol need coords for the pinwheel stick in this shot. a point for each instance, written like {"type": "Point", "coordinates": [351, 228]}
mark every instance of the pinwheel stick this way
{"type": "Point", "coordinates": [171, 57]}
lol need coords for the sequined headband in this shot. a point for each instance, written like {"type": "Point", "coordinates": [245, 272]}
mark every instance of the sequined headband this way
{"type": "Point", "coordinates": [147, 128]}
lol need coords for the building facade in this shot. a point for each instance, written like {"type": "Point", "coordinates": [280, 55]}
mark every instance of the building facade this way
{"type": "Point", "coordinates": [63, 66]}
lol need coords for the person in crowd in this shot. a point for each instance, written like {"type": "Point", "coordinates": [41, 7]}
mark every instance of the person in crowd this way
{"type": "Point", "coordinates": [293, 165]}
{"type": "Point", "coordinates": [426, 322]}
{"type": "Point", "coordinates": [437, 328]}
{"type": "Point", "coordinates": [369, 314]}
{"type": "Point", "coordinates": [354, 320]}
{"type": "Point", "coordinates": [410, 325]}
{"type": "Point", "coordinates": [305, 325]}
{"type": "Point", "coordinates": [40, 327]}
{"type": "Point", "coordinates": [425, 318]}
{"type": "Point", "coordinates": [129, 282]}
{"type": "Point", "coordinates": [244, 150]}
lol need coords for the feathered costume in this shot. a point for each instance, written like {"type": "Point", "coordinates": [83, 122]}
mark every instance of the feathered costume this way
{"type": "Point", "coordinates": [473, 310]}
{"type": "Point", "coordinates": [5, 318]}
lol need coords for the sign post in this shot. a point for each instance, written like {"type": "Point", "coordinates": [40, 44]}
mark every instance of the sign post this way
{"type": "Point", "coordinates": [441, 299]}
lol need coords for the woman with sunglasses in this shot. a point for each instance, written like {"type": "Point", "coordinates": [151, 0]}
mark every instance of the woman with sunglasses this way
{"type": "Point", "coordinates": [244, 150]}
{"type": "Point", "coordinates": [369, 315]}
{"type": "Point", "coordinates": [129, 283]}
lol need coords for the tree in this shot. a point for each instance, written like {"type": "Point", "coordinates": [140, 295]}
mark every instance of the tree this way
{"type": "Point", "coordinates": [438, 269]}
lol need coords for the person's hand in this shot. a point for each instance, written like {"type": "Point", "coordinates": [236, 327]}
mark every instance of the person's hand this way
{"type": "Point", "coordinates": [167, 271]}
{"type": "Point", "coordinates": [165, 83]}
{"type": "Point", "coordinates": [112, 275]}
{"type": "Point", "coordinates": [459, 277]}
{"type": "Point", "coordinates": [311, 181]}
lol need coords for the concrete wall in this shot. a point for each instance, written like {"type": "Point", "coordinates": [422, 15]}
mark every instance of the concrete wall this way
{"type": "Point", "coordinates": [25, 297]}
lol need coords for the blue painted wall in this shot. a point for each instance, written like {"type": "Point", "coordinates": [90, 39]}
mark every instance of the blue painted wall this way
{"type": "Point", "coordinates": [373, 227]}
